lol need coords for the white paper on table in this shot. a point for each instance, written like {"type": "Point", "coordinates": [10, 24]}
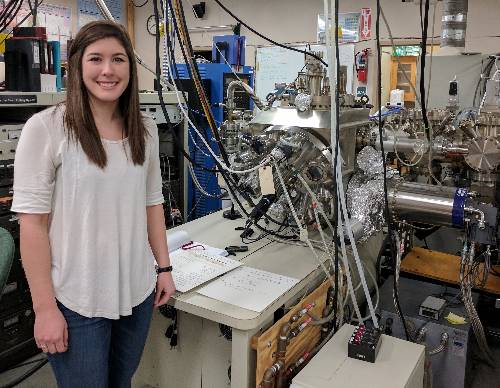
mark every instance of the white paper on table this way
{"type": "Point", "coordinates": [249, 288]}
{"type": "Point", "coordinates": [178, 238]}
{"type": "Point", "coordinates": [195, 267]}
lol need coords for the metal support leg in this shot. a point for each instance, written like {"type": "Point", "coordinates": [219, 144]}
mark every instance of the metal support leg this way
{"type": "Point", "coordinates": [242, 360]}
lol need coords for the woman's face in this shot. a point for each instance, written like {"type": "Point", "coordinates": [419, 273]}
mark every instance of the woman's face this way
{"type": "Point", "coordinates": [105, 70]}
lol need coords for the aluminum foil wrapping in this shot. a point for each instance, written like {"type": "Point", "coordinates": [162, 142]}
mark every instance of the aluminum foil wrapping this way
{"type": "Point", "coordinates": [365, 202]}
{"type": "Point", "coordinates": [303, 102]}
{"type": "Point", "coordinates": [365, 194]}
{"type": "Point", "coordinates": [370, 161]}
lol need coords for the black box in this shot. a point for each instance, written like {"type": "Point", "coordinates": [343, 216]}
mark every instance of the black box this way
{"type": "Point", "coordinates": [22, 64]}
{"type": "Point", "coordinates": [364, 343]}
{"type": "Point", "coordinates": [16, 336]}
{"type": "Point", "coordinates": [16, 291]}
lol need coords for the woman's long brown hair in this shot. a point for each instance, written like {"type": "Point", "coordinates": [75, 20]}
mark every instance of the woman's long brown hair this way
{"type": "Point", "coordinates": [78, 117]}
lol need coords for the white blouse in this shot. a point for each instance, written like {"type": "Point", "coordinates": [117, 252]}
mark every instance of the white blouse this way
{"type": "Point", "coordinates": [102, 263]}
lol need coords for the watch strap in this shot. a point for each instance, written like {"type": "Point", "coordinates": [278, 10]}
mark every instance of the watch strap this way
{"type": "Point", "coordinates": [164, 269]}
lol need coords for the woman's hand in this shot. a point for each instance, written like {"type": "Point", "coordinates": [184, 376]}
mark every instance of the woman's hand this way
{"type": "Point", "coordinates": [51, 331]}
{"type": "Point", "coordinates": [165, 288]}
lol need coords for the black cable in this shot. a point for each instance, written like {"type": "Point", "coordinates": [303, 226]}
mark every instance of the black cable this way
{"type": "Point", "coordinates": [160, 86]}
{"type": "Point", "coordinates": [224, 174]}
{"type": "Point", "coordinates": [424, 25]}
{"type": "Point", "coordinates": [34, 11]}
{"type": "Point", "coordinates": [486, 72]}
{"type": "Point", "coordinates": [266, 38]}
{"type": "Point", "coordinates": [7, 12]}
{"type": "Point", "coordinates": [386, 197]}
{"type": "Point", "coordinates": [25, 375]}
{"type": "Point", "coordinates": [336, 155]}
{"type": "Point", "coordinates": [380, 126]}
{"type": "Point", "coordinates": [11, 15]}
{"type": "Point", "coordinates": [24, 364]}
{"type": "Point", "coordinates": [18, 24]}
{"type": "Point", "coordinates": [179, 85]}
{"type": "Point", "coordinates": [378, 262]}
{"type": "Point", "coordinates": [31, 7]}
{"type": "Point", "coordinates": [227, 177]}
{"type": "Point", "coordinates": [197, 77]}
{"type": "Point", "coordinates": [165, 113]}
{"type": "Point", "coordinates": [162, 103]}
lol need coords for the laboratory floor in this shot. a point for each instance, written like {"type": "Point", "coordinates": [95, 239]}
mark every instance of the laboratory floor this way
{"type": "Point", "coordinates": [481, 375]}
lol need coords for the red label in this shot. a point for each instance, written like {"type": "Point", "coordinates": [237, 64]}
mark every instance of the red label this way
{"type": "Point", "coordinates": [365, 23]}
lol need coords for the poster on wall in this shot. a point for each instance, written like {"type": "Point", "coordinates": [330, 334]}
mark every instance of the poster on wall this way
{"type": "Point", "coordinates": [365, 24]}
{"type": "Point", "coordinates": [348, 27]}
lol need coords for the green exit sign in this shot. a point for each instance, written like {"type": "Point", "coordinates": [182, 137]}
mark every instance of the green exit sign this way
{"type": "Point", "coordinates": [406, 51]}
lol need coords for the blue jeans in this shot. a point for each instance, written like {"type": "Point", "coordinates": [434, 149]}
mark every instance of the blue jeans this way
{"type": "Point", "coordinates": [102, 353]}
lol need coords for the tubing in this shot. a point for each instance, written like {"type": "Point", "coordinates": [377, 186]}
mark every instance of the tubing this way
{"type": "Point", "coordinates": [230, 95]}
{"type": "Point", "coordinates": [340, 188]}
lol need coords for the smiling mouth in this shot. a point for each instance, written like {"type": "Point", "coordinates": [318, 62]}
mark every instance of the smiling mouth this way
{"type": "Point", "coordinates": [107, 85]}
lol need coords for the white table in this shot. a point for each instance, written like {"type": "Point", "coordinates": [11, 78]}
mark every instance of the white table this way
{"type": "Point", "coordinates": [204, 354]}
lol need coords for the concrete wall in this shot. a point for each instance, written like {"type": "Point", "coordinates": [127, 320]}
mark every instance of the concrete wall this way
{"type": "Point", "coordinates": [289, 21]}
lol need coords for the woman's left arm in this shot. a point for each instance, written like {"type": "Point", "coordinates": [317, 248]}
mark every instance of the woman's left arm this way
{"type": "Point", "coordinates": [157, 237]}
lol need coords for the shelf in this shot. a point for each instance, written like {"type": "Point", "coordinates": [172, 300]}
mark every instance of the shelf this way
{"type": "Point", "coordinates": [13, 99]}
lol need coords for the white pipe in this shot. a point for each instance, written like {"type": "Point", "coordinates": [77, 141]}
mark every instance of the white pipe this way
{"type": "Point", "coordinates": [332, 64]}
{"type": "Point", "coordinates": [303, 232]}
{"type": "Point", "coordinates": [341, 194]}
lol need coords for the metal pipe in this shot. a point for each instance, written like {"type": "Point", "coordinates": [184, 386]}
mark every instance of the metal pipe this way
{"type": "Point", "coordinates": [436, 205]}
{"type": "Point", "coordinates": [405, 145]}
{"type": "Point", "coordinates": [285, 336]}
{"type": "Point", "coordinates": [442, 345]}
{"type": "Point", "coordinates": [270, 373]}
{"type": "Point", "coordinates": [281, 351]}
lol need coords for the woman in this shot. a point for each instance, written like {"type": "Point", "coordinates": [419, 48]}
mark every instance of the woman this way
{"type": "Point", "coordinates": [88, 191]}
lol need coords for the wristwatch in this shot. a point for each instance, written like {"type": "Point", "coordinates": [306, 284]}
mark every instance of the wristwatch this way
{"type": "Point", "coordinates": [164, 269]}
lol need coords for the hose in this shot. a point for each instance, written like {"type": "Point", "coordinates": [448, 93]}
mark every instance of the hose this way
{"type": "Point", "coordinates": [442, 345]}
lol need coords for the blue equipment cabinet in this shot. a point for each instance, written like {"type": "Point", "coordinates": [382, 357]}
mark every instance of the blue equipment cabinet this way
{"type": "Point", "coordinates": [230, 48]}
{"type": "Point", "coordinates": [216, 77]}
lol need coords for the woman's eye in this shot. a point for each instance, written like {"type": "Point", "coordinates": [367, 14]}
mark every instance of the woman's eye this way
{"type": "Point", "coordinates": [118, 59]}
{"type": "Point", "coordinates": [95, 59]}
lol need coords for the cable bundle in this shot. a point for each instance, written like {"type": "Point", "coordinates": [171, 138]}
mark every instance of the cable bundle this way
{"type": "Point", "coordinates": [8, 13]}
{"type": "Point", "coordinates": [467, 274]}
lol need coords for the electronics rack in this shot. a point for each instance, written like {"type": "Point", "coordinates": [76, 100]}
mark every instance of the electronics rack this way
{"type": "Point", "coordinates": [16, 311]}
